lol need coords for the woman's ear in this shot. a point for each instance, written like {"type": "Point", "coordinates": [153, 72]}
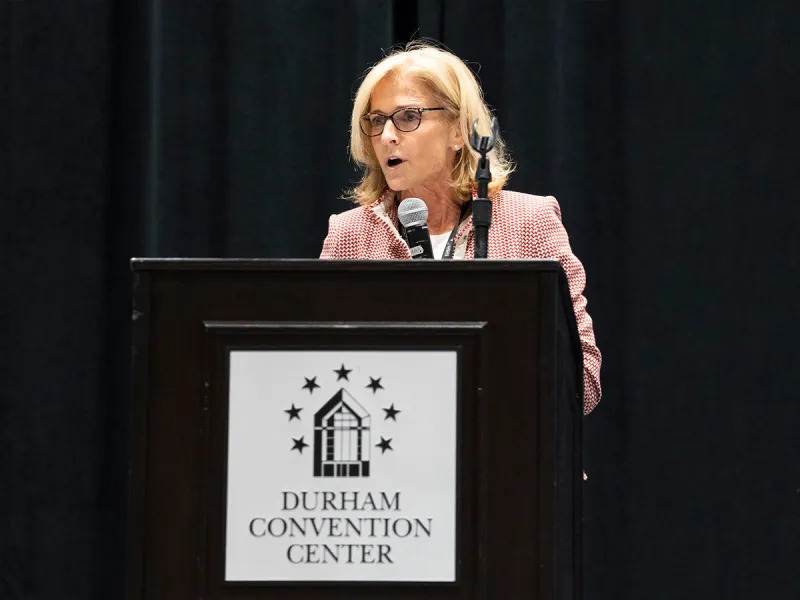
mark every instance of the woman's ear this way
{"type": "Point", "coordinates": [456, 139]}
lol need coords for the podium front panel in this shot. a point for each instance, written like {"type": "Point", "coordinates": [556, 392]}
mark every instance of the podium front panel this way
{"type": "Point", "coordinates": [392, 429]}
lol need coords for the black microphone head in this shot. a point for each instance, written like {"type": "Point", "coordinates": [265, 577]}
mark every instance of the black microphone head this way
{"type": "Point", "coordinates": [412, 212]}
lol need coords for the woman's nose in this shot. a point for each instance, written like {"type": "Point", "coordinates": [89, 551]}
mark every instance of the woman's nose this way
{"type": "Point", "coordinates": [389, 132]}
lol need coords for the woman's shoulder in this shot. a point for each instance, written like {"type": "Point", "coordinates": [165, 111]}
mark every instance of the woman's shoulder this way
{"type": "Point", "coordinates": [519, 204]}
{"type": "Point", "coordinates": [356, 213]}
{"type": "Point", "coordinates": [352, 219]}
{"type": "Point", "coordinates": [361, 233]}
{"type": "Point", "coordinates": [345, 229]}
{"type": "Point", "coordinates": [361, 215]}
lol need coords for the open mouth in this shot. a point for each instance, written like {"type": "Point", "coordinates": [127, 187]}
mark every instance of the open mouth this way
{"type": "Point", "coordinates": [393, 162]}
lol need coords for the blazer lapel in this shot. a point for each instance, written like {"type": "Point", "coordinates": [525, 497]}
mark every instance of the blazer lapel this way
{"type": "Point", "coordinates": [384, 214]}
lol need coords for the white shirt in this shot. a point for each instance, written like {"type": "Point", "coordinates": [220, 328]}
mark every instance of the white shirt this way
{"type": "Point", "coordinates": [438, 242]}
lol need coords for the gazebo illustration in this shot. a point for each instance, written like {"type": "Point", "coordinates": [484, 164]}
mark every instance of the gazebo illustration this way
{"type": "Point", "coordinates": [341, 438]}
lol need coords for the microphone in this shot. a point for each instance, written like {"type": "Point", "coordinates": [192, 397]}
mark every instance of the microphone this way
{"type": "Point", "coordinates": [413, 214]}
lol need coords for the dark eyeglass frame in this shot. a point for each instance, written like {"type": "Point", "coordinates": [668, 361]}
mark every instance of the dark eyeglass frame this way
{"type": "Point", "coordinates": [364, 121]}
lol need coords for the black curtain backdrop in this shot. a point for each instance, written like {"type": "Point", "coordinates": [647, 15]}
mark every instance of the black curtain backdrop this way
{"type": "Point", "coordinates": [668, 132]}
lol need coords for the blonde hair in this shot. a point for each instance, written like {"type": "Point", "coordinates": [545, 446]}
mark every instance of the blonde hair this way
{"type": "Point", "coordinates": [457, 90]}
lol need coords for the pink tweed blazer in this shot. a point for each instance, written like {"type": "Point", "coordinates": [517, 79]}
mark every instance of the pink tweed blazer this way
{"type": "Point", "coordinates": [523, 226]}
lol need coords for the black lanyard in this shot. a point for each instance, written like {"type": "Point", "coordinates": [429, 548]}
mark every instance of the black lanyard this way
{"type": "Point", "coordinates": [450, 247]}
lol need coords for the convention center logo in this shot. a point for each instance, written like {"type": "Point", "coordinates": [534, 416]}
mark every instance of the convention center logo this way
{"type": "Point", "coordinates": [342, 430]}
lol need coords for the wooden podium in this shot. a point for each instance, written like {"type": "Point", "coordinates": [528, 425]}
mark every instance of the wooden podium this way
{"type": "Point", "coordinates": [513, 457]}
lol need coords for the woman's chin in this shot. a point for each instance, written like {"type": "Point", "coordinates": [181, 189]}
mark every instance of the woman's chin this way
{"type": "Point", "coordinates": [396, 184]}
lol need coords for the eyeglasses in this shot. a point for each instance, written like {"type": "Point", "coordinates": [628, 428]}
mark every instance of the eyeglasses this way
{"type": "Point", "coordinates": [404, 119]}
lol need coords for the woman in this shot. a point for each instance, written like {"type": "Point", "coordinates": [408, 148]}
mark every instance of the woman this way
{"type": "Point", "coordinates": [410, 127]}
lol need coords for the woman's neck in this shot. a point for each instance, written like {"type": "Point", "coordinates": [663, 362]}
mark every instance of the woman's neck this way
{"type": "Point", "coordinates": [444, 211]}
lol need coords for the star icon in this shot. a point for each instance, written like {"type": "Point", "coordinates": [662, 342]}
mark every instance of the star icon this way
{"type": "Point", "coordinates": [310, 384]}
{"type": "Point", "coordinates": [294, 413]}
{"type": "Point", "coordinates": [391, 413]}
{"type": "Point", "coordinates": [342, 373]}
{"type": "Point", "coordinates": [375, 384]}
{"type": "Point", "coordinates": [300, 444]}
{"type": "Point", "coordinates": [385, 445]}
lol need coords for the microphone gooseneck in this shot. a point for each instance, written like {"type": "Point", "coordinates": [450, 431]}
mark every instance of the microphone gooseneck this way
{"type": "Point", "coordinates": [482, 206]}
{"type": "Point", "coordinates": [413, 215]}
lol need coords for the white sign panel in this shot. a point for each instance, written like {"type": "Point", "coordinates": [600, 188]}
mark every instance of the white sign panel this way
{"type": "Point", "coordinates": [341, 466]}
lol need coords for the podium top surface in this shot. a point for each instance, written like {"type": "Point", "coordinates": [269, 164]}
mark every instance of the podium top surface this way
{"type": "Point", "coordinates": [314, 264]}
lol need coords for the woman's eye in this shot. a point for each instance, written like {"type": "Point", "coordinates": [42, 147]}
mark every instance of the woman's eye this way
{"type": "Point", "coordinates": [377, 120]}
{"type": "Point", "coordinates": [410, 116]}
